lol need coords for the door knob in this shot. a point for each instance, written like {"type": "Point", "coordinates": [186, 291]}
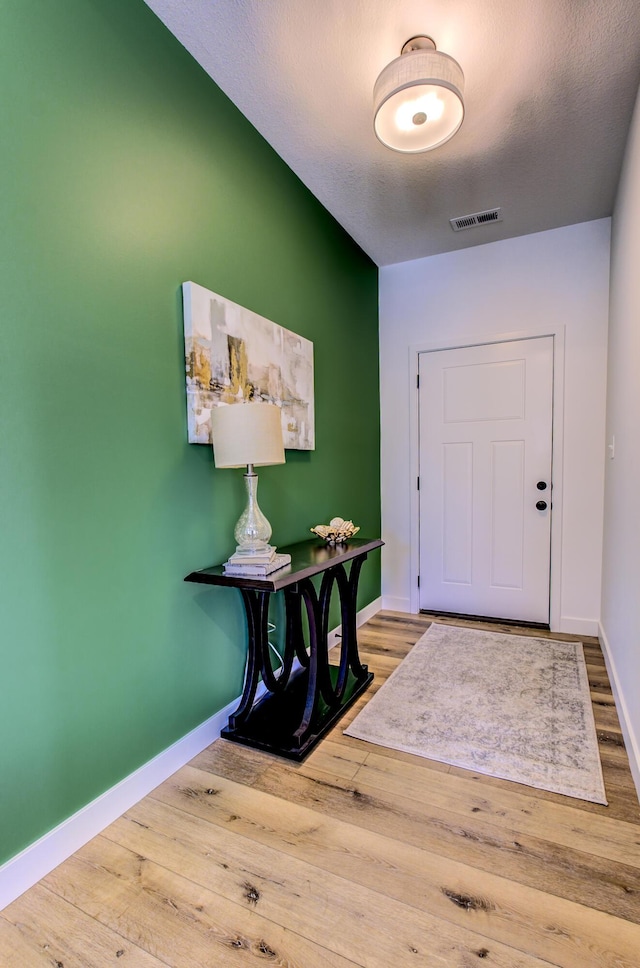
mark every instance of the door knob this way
{"type": "Point", "coordinates": [541, 505]}
{"type": "Point", "coordinates": [541, 485]}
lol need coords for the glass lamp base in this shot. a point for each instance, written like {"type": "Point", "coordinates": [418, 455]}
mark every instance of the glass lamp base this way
{"type": "Point", "coordinates": [252, 532]}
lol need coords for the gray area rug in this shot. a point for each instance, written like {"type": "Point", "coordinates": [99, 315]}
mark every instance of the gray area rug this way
{"type": "Point", "coordinates": [510, 706]}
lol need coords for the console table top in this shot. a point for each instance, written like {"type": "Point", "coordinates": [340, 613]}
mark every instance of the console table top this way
{"type": "Point", "coordinates": [307, 558]}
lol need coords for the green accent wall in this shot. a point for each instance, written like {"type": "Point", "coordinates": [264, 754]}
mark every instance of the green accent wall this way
{"type": "Point", "coordinates": [126, 171]}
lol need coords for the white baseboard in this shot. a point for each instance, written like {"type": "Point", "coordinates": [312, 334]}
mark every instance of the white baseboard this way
{"type": "Point", "coordinates": [392, 604]}
{"type": "Point", "coordinates": [25, 869]}
{"type": "Point", "coordinates": [368, 611]}
{"type": "Point", "coordinates": [28, 867]}
{"type": "Point", "coordinates": [363, 616]}
{"type": "Point", "coordinates": [577, 626]}
{"type": "Point", "coordinates": [631, 741]}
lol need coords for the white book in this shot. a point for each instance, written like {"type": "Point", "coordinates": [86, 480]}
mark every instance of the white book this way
{"type": "Point", "coordinates": [256, 571]}
{"type": "Point", "coordinates": [246, 558]}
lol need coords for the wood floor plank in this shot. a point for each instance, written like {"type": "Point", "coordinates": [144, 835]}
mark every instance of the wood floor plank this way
{"type": "Point", "coordinates": [381, 644]}
{"type": "Point", "coordinates": [505, 627]}
{"type": "Point", "coordinates": [606, 717]}
{"type": "Point", "coordinates": [359, 857]}
{"type": "Point", "coordinates": [484, 624]}
{"type": "Point", "coordinates": [185, 844]}
{"type": "Point", "coordinates": [564, 825]}
{"type": "Point", "coordinates": [584, 878]}
{"type": "Point", "coordinates": [343, 761]}
{"type": "Point", "coordinates": [600, 697]}
{"type": "Point", "coordinates": [184, 924]}
{"type": "Point", "coordinates": [243, 763]}
{"type": "Point", "coordinates": [384, 665]}
{"type": "Point", "coordinates": [41, 928]}
{"type": "Point", "coordinates": [551, 928]}
{"type": "Point", "coordinates": [623, 799]}
{"type": "Point", "coordinates": [346, 919]}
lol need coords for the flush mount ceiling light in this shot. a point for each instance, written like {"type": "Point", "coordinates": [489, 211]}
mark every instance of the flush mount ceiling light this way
{"type": "Point", "coordinates": [418, 98]}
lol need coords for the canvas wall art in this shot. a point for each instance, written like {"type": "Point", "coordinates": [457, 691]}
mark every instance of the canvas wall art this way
{"type": "Point", "coordinates": [233, 355]}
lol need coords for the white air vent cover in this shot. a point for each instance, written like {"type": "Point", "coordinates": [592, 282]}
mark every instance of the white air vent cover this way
{"type": "Point", "coordinates": [478, 218]}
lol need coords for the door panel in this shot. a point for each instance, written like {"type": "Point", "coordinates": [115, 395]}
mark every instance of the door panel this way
{"type": "Point", "coordinates": [507, 506]}
{"type": "Point", "coordinates": [457, 512]}
{"type": "Point", "coordinates": [485, 442]}
{"type": "Point", "coordinates": [485, 391]}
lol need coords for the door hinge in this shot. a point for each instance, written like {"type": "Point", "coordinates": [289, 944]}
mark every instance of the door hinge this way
{"type": "Point", "coordinates": [418, 484]}
{"type": "Point", "coordinates": [418, 581]}
{"type": "Point", "coordinates": [418, 381]}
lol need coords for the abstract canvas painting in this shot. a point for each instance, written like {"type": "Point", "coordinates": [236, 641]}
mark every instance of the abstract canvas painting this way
{"type": "Point", "coordinates": [233, 355]}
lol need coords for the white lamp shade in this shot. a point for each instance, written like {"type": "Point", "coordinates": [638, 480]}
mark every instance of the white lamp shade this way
{"type": "Point", "coordinates": [418, 101]}
{"type": "Point", "coordinates": [247, 433]}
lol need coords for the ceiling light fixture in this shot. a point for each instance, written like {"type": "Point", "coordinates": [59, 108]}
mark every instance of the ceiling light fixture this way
{"type": "Point", "coordinates": [418, 98]}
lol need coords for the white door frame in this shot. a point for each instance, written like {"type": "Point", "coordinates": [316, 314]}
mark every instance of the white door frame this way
{"type": "Point", "coordinates": [558, 334]}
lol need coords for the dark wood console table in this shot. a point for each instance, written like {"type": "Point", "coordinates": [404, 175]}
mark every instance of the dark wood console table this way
{"type": "Point", "coordinates": [305, 698]}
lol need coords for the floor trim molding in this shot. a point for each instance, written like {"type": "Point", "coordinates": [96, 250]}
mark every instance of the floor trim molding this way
{"type": "Point", "coordinates": [368, 611]}
{"type": "Point", "coordinates": [25, 869]}
{"type": "Point", "coordinates": [577, 626]}
{"type": "Point", "coordinates": [38, 859]}
{"type": "Point", "coordinates": [632, 742]}
{"type": "Point", "coordinates": [391, 603]}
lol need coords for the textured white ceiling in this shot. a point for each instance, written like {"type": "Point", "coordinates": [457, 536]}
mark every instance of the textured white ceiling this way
{"type": "Point", "coordinates": [549, 91]}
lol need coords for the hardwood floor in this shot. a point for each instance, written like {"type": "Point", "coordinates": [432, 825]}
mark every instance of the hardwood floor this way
{"type": "Point", "coordinates": [360, 856]}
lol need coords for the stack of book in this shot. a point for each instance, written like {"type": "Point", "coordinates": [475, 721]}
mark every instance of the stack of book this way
{"type": "Point", "coordinates": [256, 565]}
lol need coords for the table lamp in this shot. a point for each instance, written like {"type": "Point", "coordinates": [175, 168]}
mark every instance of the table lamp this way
{"type": "Point", "coordinates": [249, 434]}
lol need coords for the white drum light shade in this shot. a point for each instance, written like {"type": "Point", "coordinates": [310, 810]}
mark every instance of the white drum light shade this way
{"type": "Point", "coordinates": [418, 101]}
{"type": "Point", "coordinates": [247, 433]}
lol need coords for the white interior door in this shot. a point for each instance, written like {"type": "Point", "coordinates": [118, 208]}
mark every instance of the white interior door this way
{"type": "Point", "coordinates": [485, 471]}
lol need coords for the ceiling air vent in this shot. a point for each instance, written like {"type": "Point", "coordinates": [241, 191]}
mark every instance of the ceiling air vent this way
{"type": "Point", "coordinates": [478, 218]}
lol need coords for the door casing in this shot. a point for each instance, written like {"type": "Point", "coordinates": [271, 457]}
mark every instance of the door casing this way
{"type": "Point", "coordinates": [558, 334]}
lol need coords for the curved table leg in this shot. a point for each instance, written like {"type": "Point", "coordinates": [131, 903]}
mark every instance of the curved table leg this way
{"type": "Point", "coordinates": [348, 608]}
{"type": "Point", "coordinates": [300, 707]}
{"type": "Point", "coordinates": [256, 606]}
{"type": "Point", "coordinates": [294, 633]}
{"type": "Point", "coordinates": [320, 687]}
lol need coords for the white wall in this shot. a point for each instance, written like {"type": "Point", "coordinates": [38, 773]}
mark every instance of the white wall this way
{"type": "Point", "coordinates": [551, 279]}
{"type": "Point", "coordinates": [620, 630]}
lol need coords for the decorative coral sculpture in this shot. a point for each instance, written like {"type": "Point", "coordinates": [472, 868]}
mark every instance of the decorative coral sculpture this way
{"type": "Point", "coordinates": [336, 532]}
